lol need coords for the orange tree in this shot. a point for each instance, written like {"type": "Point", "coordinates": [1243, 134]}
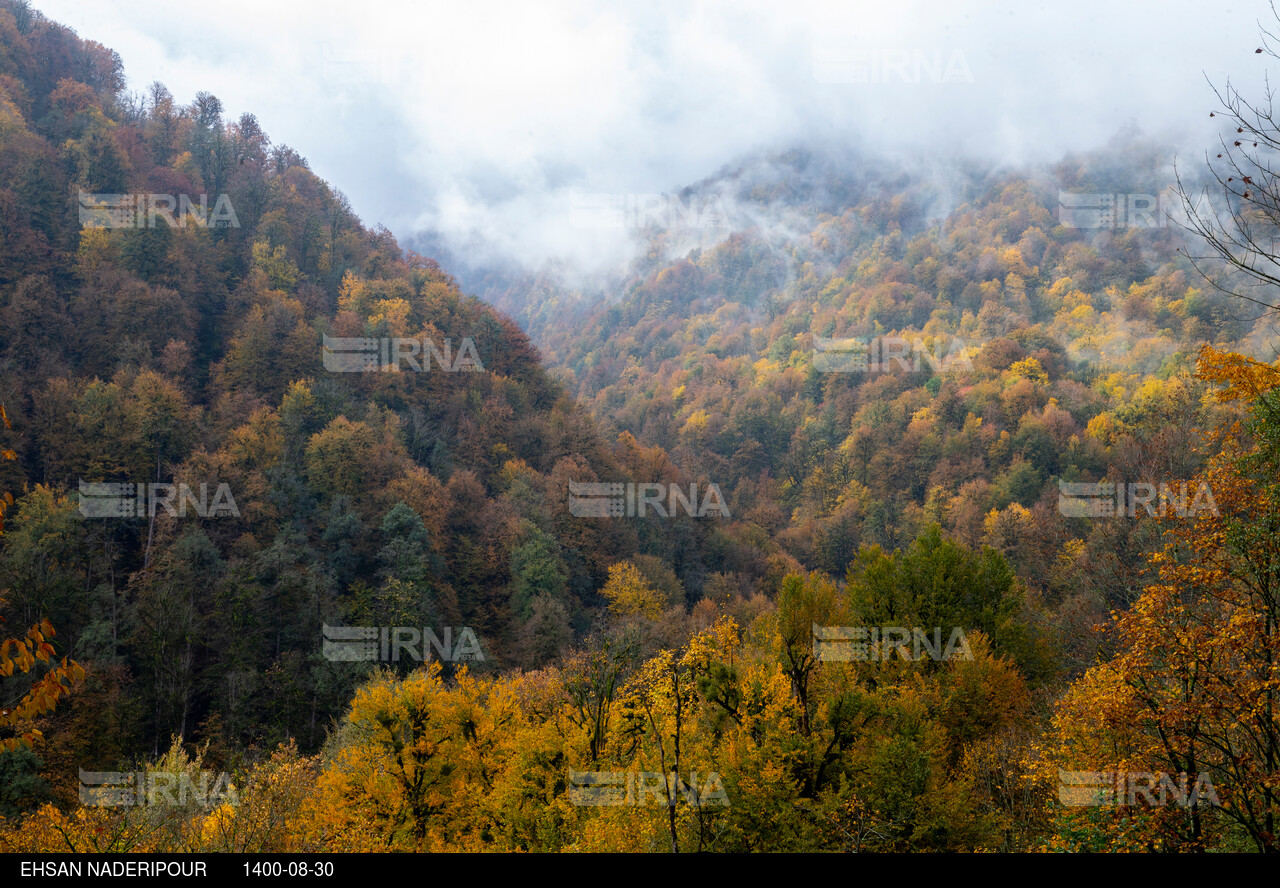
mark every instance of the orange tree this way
{"type": "Point", "coordinates": [1194, 687]}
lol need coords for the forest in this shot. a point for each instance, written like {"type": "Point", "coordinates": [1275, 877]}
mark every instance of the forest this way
{"type": "Point", "coordinates": [896, 634]}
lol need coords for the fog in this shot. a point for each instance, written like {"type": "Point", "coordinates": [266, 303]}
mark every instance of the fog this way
{"type": "Point", "coordinates": [487, 130]}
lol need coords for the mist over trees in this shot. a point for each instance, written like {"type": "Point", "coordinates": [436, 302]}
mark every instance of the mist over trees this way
{"type": "Point", "coordinates": [893, 637]}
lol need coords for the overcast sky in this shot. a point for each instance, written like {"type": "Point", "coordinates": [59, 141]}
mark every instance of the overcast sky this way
{"type": "Point", "coordinates": [492, 118]}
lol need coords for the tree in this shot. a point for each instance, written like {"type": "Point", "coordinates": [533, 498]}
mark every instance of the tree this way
{"type": "Point", "coordinates": [337, 458]}
{"type": "Point", "coordinates": [21, 653]}
{"type": "Point", "coordinates": [1242, 229]}
{"type": "Point", "coordinates": [537, 569]}
{"type": "Point", "coordinates": [1194, 687]}
{"type": "Point", "coordinates": [629, 593]}
{"type": "Point", "coordinates": [407, 570]}
{"type": "Point", "coordinates": [937, 583]}
{"type": "Point", "coordinates": [547, 633]}
{"type": "Point", "coordinates": [659, 708]}
{"type": "Point", "coordinates": [804, 601]}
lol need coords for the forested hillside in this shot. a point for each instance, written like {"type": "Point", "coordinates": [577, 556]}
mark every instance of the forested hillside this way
{"type": "Point", "coordinates": [1051, 353]}
{"type": "Point", "coordinates": [194, 353]}
{"type": "Point", "coordinates": [202, 349]}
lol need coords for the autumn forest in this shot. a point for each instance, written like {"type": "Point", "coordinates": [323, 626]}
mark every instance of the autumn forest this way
{"type": "Point", "coordinates": [887, 511]}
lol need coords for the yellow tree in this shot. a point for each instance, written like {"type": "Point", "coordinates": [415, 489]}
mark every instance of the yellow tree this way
{"type": "Point", "coordinates": [422, 765]}
{"type": "Point", "coordinates": [630, 594]}
{"type": "Point", "coordinates": [673, 779]}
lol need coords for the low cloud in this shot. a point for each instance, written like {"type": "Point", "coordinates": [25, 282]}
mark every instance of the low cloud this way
{"type": "Point", "coordinates": [484, 125]}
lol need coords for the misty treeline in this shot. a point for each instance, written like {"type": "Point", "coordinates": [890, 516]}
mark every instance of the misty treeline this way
{"type": "Point", "coordinates": [907, 496]}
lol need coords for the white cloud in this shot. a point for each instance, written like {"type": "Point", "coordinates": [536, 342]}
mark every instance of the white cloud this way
{"type": "Point", "coordinates": [483, 119]}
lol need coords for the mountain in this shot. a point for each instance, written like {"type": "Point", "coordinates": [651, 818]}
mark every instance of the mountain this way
{"type": "Point", "coordinates": [875, 504]}
{"type": "Point", "coordinates": [168, 281]}
{"type": "Point", "coordinates": [1035, 351]}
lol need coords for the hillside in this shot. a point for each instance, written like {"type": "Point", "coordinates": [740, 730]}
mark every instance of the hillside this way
{"type": "Point", "coordinates": [903, 507]}
{"type": "Point", "coordinates": [183, 350]}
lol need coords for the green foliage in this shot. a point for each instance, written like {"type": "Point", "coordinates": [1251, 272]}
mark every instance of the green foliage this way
{"type": "Point", "coordinates": [904, 496]}
{"type": "Point", "coordinates": [22, 789]}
